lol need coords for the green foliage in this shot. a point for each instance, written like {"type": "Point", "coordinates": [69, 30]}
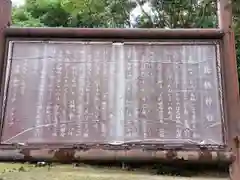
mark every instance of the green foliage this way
{"type": "Point", "coordinates": [179, 14]}
{"type": "Point", "coordinates": [104, 13]}
{"type": "Point", "coordinates": [49, 12]}
{"type": "Point", "coordinates": [74, 13]}
{"type": "Point", "coordinates": [23, 18]}
{"type": "Point", "coordinates": [116, 13]}
{"type": "Point", "coordinates": [236, 25]}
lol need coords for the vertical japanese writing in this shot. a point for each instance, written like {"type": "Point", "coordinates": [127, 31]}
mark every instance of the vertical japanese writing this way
{"type": "Point", "coordinates": [87, 111]}
{"type": "Point", "coordinates": [50, 96]}
{"type": "Point", "coordinates": [130, 56]}
{"type": "Point", "coordinates": [57, 95]}
{"type": "Point", "coordinates": [104, 91]}
{"type": "Point", "coordinates": [159, 91]}
{"type": "Point", "coordinates": [211, 103]}
{"type": "Point", "coordinates": [13, 98]}
{"type": "Point", "coordinates": [41, 94]}
{"type": "Point", "coordinates": [81, 68]}
{"type": "Point", "coordinates": [72, 104]}
{"type": "Point", "coordinates": [98, 55]}
{"type": "Point", "coordinates": [186, 109]}
{"type": "Point", "coordinates": [177, 87]}
{"type": "Point", "coordinates": [23, 74]}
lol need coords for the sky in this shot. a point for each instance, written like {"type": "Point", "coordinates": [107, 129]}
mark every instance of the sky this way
{"type": "Point", "coordinates": [17, 2]}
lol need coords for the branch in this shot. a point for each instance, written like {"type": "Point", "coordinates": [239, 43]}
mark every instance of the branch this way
{"type": "Point", "coordinates": [160, 15]}
{"type": "Point", "coordinates": [144, 12]}
{"type": "Point", "coordinates": [202, 18]}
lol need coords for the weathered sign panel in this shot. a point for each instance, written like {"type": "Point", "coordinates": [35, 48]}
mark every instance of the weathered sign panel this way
{"type": "Point", "coordinates": [114, 93]}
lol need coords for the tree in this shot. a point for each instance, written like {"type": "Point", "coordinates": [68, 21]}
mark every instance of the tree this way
{"type": "Point", "coordinates": [236, 26]}
{"type": "Point", "coordinates": [178, 14]}
{"type": "Point", "coordinates": [74, 13]}
{"type": "Point", "coordinates": [99, 13]}
{"type": "Point", "coordinates": [41, 13]}
{"type": "Point", "coordinates": [23, 18]}
{"type": "Point", "coordinates": [116, 13]}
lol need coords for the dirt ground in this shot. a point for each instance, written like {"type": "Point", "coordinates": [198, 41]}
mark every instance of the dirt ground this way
{"type": "Point", "coordinates": [10, 171]}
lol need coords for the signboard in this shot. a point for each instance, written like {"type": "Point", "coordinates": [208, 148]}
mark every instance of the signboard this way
{"type": "Point", "coordinates": [113, 93]}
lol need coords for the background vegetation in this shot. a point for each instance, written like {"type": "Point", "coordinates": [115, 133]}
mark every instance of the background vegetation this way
{"type": "Point", "coordinates": [123, 13]}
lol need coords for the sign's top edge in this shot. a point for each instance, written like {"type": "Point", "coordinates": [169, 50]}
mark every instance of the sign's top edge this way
{"type": "Point", "coordinates": [114, 33]}
{"type": "Point", "coordinates": [83, 42]}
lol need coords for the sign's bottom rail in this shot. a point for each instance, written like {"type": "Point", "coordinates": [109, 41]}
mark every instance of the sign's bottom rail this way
{"type": "Point", "coordinates": [70, 155]}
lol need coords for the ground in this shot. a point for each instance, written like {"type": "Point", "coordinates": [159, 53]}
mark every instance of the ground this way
{"type": "Point", "coordinates": [10, 171]}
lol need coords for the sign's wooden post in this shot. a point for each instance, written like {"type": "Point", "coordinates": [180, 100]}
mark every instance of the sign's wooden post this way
{"type": "Point", "coordinates": [5, 20]}
{"type": "Point", "coordinates": [231, 84]}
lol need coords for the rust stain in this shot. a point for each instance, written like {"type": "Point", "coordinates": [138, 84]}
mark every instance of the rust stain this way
{"type": "Point", "coordinates": [171, 155]}
{"type": "Point", "coordinates": [69, 155]}
{"type": "Point", "coordinates": [205, 155]}
{"type": "Point", "coordinates": [64, 155]}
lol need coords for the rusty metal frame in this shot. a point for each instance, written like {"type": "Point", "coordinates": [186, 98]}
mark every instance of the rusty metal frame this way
{"type": "Point", "coordinates": [136, 151]}
{"type": "Point", "coordinates": [122, 152]}
{"type": "Point", "coordinates": [108, 33]}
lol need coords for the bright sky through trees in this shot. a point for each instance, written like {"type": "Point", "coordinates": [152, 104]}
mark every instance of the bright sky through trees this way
{"type": "Point", "coordinates": [17, 2]}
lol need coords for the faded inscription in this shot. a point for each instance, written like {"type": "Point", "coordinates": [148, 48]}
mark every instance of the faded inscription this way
{"type": "Point", "coordinates": [104, 92]}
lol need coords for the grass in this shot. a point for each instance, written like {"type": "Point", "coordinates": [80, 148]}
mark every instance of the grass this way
{"type": "Point", "coordinates": [17, 171]}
